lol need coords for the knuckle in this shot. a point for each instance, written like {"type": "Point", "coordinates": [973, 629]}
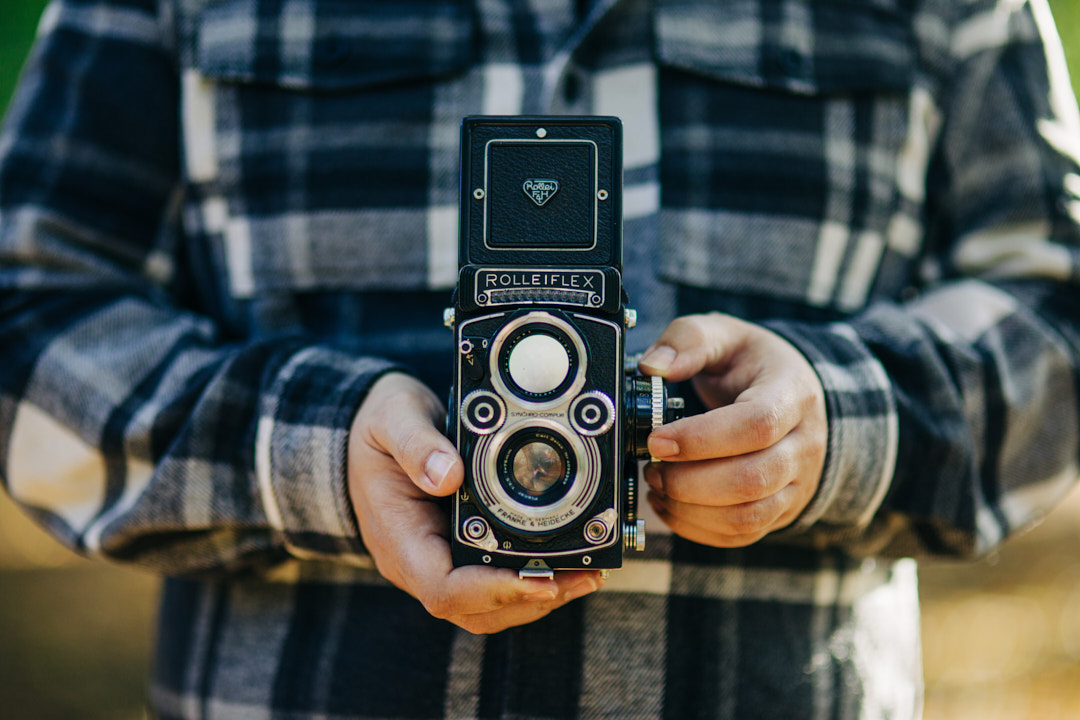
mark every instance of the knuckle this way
{"type": "Point", "coordinates": [751, 482]}
{"type": "Point", "coordinates": [747, 519]}
{"type": "Point", "coordinates": [810, 400]}
{"type": "Point", "coordinates": [688, 328]}
{"type": "Point", "coordinates": [412, 446]}
{"type": "Point", "coordinates": [765, 428]}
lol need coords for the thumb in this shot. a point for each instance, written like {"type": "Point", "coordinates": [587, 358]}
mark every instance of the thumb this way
{"type": "Point", "coordinates": [406, 430]}
{"type": "Point", "coordinates": [692, 344]}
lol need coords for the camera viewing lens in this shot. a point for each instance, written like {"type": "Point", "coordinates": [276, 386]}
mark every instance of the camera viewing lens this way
{"type": "Point", "coordinates": [537, 466]}
{"type": "Point", "coordinates": [538, 364]}
{"type": "Point", "coordinates": [538, 358]}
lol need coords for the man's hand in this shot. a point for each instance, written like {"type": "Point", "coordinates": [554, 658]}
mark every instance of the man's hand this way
{"type": "Point", "coordinates": [398, 460]}
{"type": "Point", "coordinates": [752, 463]}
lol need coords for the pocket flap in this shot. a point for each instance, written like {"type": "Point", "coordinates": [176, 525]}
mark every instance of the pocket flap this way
{"type": "Point", "coordinates": [333, 44]}
{"type": "Point", "coordinates": [803, 46]}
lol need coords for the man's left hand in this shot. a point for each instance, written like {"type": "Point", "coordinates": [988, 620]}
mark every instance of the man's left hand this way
{"type": "Point", "coordinates": [752, 462]}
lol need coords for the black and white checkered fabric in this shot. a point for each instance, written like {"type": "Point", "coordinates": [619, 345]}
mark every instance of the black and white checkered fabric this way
{"type": "Point", "coordinates": [221, 220]}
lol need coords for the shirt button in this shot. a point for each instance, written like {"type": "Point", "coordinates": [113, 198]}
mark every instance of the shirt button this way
{"type": "Point", "coordinates": [792, 61]}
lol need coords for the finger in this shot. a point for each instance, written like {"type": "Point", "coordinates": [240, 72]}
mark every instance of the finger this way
{"type": "Point", "coordinates": [503, 618]}
{"type": "Point", "coordinates": [708, 537]}
{"type": "Point", "coordinates": [407, 430]}
{"type": "Point", "coordinates": [693, 343]}
{"type": "Point", "coordinates": [447, 591]}
{"type": "Point", "coordinates": [727, 481]}
{"type": "Point", "coordinates": [758, 421]}
{"type": "Point", "coordinates": [573, 583]}
{"type": "Point", "coordinates": [732, 526]}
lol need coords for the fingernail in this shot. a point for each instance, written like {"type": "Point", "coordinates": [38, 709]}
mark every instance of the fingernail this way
{"type": "Point", "coordinates": [661, 447]}
{"type": "Point", "coordinates": [659, 358]}
{"type": "Point", "coordinates": [653, 478]}
{"type": "Point", "coordinates": [438, 467]}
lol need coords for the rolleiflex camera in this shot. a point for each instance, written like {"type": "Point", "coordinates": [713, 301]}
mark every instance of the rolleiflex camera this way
{"type": "Point", "coordinates": [547, 413]}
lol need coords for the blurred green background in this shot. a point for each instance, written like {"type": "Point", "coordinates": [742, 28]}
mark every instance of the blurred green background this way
{"type": "Point", "coordinates": [1001, 637]}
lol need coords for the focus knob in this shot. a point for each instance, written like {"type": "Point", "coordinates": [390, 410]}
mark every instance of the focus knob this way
{"type": "Point", "coordinates": [647, 408]}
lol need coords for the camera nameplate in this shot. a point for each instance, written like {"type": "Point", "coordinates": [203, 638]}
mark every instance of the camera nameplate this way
{"type": "Point", "coordinates": [548, 286]}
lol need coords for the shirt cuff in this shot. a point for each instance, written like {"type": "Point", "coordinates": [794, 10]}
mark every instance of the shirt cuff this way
{"type": "Point", "coordinates": [301, 452]}
{"type": "Point", "coordinates": [863, 425]}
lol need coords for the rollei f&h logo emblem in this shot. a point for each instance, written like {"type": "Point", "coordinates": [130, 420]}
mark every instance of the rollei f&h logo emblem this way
{"type": "Point", "coordinates": [540, 191]}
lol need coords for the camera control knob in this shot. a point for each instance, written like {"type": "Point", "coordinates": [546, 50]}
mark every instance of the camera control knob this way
{"type": "Point", "coordinates": [634, 535]}
{"type": "Point", "coordinates": [599, 528]}
{"type": "Point", "coordinates": [657, 401]}
{"type": "Point", "coordinates": [592, 413]}
{"type": "Point", "coordinates": [483, 412]}
{"type": "Point", "coordinates": [473, 357]}
{"type": "Point", "coordinates": [478, 531]}
{"type": "Point", "coordinates": [647, 407]}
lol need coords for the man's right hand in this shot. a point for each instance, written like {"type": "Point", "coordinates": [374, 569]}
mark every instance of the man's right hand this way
{"type": "Point", "coordinates": [398, 464]}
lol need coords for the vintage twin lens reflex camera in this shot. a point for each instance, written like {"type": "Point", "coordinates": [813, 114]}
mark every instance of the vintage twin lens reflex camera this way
{"type": "Point", "coordinates": [547, 413]}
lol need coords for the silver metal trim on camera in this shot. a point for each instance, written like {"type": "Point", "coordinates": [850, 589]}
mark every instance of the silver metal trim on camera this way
{"type": "Point", "coordinates": [539, 286]}
{"type": "Point", "coordinates": [536, 518]}
{"type": "Point", "coordinates": [538, 318]}
{"type": "Point", "coordinates": [489, 424]}
{"type": "Point", "coordinates": [606, 417]}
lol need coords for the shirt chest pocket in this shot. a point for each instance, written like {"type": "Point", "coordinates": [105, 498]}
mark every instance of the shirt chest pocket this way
{"type": "Point", "coordinates": [314, 122]}
{"type": "Point", "coordinates": [782, 122]}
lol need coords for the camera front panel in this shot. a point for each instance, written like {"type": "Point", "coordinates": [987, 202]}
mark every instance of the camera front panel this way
{"type": "Point", "coordinates": [537, 422]}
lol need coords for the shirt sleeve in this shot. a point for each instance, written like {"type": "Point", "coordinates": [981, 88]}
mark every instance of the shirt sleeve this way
{"type": "Point", "coordinates": [954, 416]}
{"type": "Point", "coordinates": [131, 426]}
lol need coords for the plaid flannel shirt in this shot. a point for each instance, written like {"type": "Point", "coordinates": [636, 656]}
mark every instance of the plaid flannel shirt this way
{"type": "Point", "coordinates": [221, 220]}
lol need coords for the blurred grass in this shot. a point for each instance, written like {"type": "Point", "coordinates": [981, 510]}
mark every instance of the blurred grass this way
{"type": "Point", "coordinates": [1001, 637]}
{"type": "Point", "coordinates": [18, 18]}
